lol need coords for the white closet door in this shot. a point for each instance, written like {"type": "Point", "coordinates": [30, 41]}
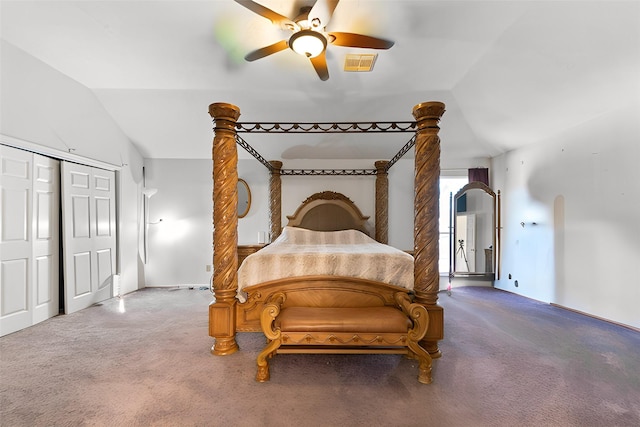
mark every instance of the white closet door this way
{"type": "Point", "coordinates": [15, 278]}
{"type": "Point", "coordinates": [46, 238]}
{"type": "Point", "coordinates": [89, 235]}
{"type": "Point", "coordinates": [29, 206]}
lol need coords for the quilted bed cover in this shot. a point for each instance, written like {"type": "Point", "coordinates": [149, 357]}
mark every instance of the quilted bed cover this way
{"type": "Point", "coordinates": [301, 252]}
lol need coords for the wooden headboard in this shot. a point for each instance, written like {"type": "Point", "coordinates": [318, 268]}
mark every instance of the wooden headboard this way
{"type": "Point", "coordinates": [328, 211]}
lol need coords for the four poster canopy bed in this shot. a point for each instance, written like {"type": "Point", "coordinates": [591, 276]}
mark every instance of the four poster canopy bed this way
{"type": "Point", "coordinates": [324, 284]}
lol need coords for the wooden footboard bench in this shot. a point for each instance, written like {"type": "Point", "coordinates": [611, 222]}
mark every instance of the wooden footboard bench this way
{"type": "Point", "coordinates": [370, 329]}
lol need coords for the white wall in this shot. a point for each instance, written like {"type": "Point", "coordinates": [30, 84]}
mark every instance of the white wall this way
{"type": "Point", "coordinates": [582, 188]}
{"type": "Point", "coordinates": [181, 246]}
{"type": "Point", "coordinates": [257, 219]}
{"type": "Point", "coordinates": [46, 111]}
{"type": "Point", "coordinates": [179, 255]}
{"type": "Point", "coordinates": [130, 224]}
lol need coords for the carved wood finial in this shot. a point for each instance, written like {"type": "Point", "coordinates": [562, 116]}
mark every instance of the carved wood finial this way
{"type": "Point", "coordinates": [224, 111]}
{"type": "Point", "coordinates": [428, 114]}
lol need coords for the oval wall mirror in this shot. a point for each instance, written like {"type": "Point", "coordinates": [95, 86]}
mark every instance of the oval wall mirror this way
{"type": "Point", "coordinates": [474, 226]}
{"type": "Point", "coordinates": [244, 198]}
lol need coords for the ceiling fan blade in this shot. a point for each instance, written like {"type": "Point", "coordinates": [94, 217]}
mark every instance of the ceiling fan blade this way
{"type": "Point", "coordinates": [272, 16]}
{"type": "Point", "coordinates": [320, 65]}
{"type": "Point", "coordinates": [322, 11]}
{"type": "Point", "coordinates": [358, 40]}
{"type": "Point", "coordinates": [267, 50]}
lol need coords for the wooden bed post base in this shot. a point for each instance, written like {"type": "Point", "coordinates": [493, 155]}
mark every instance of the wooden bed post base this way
{"type": "Point", "coordinates": [435, 332]}
{"type": "Point", "coordinates": [222, 325]}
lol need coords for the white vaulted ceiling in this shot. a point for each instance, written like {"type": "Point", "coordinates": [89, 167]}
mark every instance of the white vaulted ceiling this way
{"type": "Point", "coordinates": [510, 72]}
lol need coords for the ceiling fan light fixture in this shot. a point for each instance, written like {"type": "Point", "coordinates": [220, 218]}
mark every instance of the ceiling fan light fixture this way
{"type": "Point", "coordinates": [308, 43]}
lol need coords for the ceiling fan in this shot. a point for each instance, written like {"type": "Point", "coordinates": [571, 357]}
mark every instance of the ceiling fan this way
{"type": "Point", "coordinates": [309, 37]}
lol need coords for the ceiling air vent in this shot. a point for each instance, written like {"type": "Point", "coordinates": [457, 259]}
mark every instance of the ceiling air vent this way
{"type": "Point", "coordinates": [360, 63]}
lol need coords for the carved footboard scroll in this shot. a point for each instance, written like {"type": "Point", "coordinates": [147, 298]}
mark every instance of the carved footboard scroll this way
{"type": "Point", "coordinates": [274, 336]}
{"type": "Point", "coordinates": [420, 317]}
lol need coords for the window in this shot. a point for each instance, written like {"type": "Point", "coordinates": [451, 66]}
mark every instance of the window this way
{"type": "Point", "coordinates": [449, 186]}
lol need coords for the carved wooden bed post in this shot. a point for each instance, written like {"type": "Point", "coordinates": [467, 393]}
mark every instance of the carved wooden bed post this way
{"type": "Point", "coordinates": [382, 202]}
{"type": "Point", "coordinates": [426, 207]}
{"type": "Point", "coordinates": [222, 318]}
{"type": "Point", "coordinates": [275, 200]}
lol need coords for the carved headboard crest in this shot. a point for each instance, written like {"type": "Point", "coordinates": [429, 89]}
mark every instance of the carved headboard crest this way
{"type": "Point", "coordinates": [328, 211]}
{"type": "Point", "coordinates": [328, 195]}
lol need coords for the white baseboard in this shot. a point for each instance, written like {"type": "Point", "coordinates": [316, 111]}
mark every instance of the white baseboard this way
{"type": "Point", "coordinates": [189, 286]}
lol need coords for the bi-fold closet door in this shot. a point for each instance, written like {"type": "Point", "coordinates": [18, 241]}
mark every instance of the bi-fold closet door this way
{"type": "Point", "coordinates": [34, 191]}
{"type": "Point", "coordinates": [29, 239]}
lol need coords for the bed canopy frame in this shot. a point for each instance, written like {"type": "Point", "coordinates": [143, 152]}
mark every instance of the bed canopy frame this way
{"type": "Point", "coordinates": [222, 312]}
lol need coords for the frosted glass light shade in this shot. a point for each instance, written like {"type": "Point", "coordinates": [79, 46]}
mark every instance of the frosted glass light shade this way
{"type": "Point", "coordinates": [308, 43]}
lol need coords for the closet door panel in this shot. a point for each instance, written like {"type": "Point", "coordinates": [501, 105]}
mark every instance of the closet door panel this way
{"type": "Point", "coordinates": [80, 216]}
{"type": "Point", "coordinates": [15, 216]}
{"type": "Point", "coordinates": [105, 269]}
{"type": "Point", "coordinates": [15, 292]}
{"type": "Point", "coordinates": [81, 275]}
{"type": "Point", "coordinates": [103, 217]}
{"type": "Point", "coordinates": [44, 294]}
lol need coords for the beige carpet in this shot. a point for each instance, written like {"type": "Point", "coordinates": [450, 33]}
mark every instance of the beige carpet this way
{"type": "Point", "coordinates": [145, 361]}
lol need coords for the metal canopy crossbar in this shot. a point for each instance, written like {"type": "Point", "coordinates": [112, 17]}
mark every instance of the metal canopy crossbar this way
{"type": "Point", "coordinates": [241, 142]}
{"type": "Point", "coordinates": [326, 127]}
{"type": "Point", "coordinates": [333, 172]}
{"type": "Point", "coordinates": [401, 153]}
{"type": "Point", "coordinates": [309, 172]}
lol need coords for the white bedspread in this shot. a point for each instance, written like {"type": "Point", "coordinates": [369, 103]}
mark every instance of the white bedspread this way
{"type": "Point", "coordinates": [301, 252]}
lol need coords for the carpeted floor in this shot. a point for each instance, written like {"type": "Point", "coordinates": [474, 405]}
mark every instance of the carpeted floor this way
{"type": "Point", "coordinates": [144, 360]}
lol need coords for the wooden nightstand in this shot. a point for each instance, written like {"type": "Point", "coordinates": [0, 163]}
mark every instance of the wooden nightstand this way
{"type": "Point", "coordinates": [246, 250]}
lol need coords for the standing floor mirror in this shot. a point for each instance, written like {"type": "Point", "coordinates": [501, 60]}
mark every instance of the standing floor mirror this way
{"type": "Point", "coordinates": [474, 232]}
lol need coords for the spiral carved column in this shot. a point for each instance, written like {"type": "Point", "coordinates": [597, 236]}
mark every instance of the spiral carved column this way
{"type": "Point", "coordinates": [382, 202]}
{"type": "Point", "coordinates": [426, 232]}
{"type": "Point", "coordinates": [222, 320]}
{"type": "Point", "coordinates": [275, 200]}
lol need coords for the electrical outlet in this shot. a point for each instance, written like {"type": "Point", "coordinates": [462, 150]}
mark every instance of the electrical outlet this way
{"type": "Point", "coordinates": [208, 268]}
